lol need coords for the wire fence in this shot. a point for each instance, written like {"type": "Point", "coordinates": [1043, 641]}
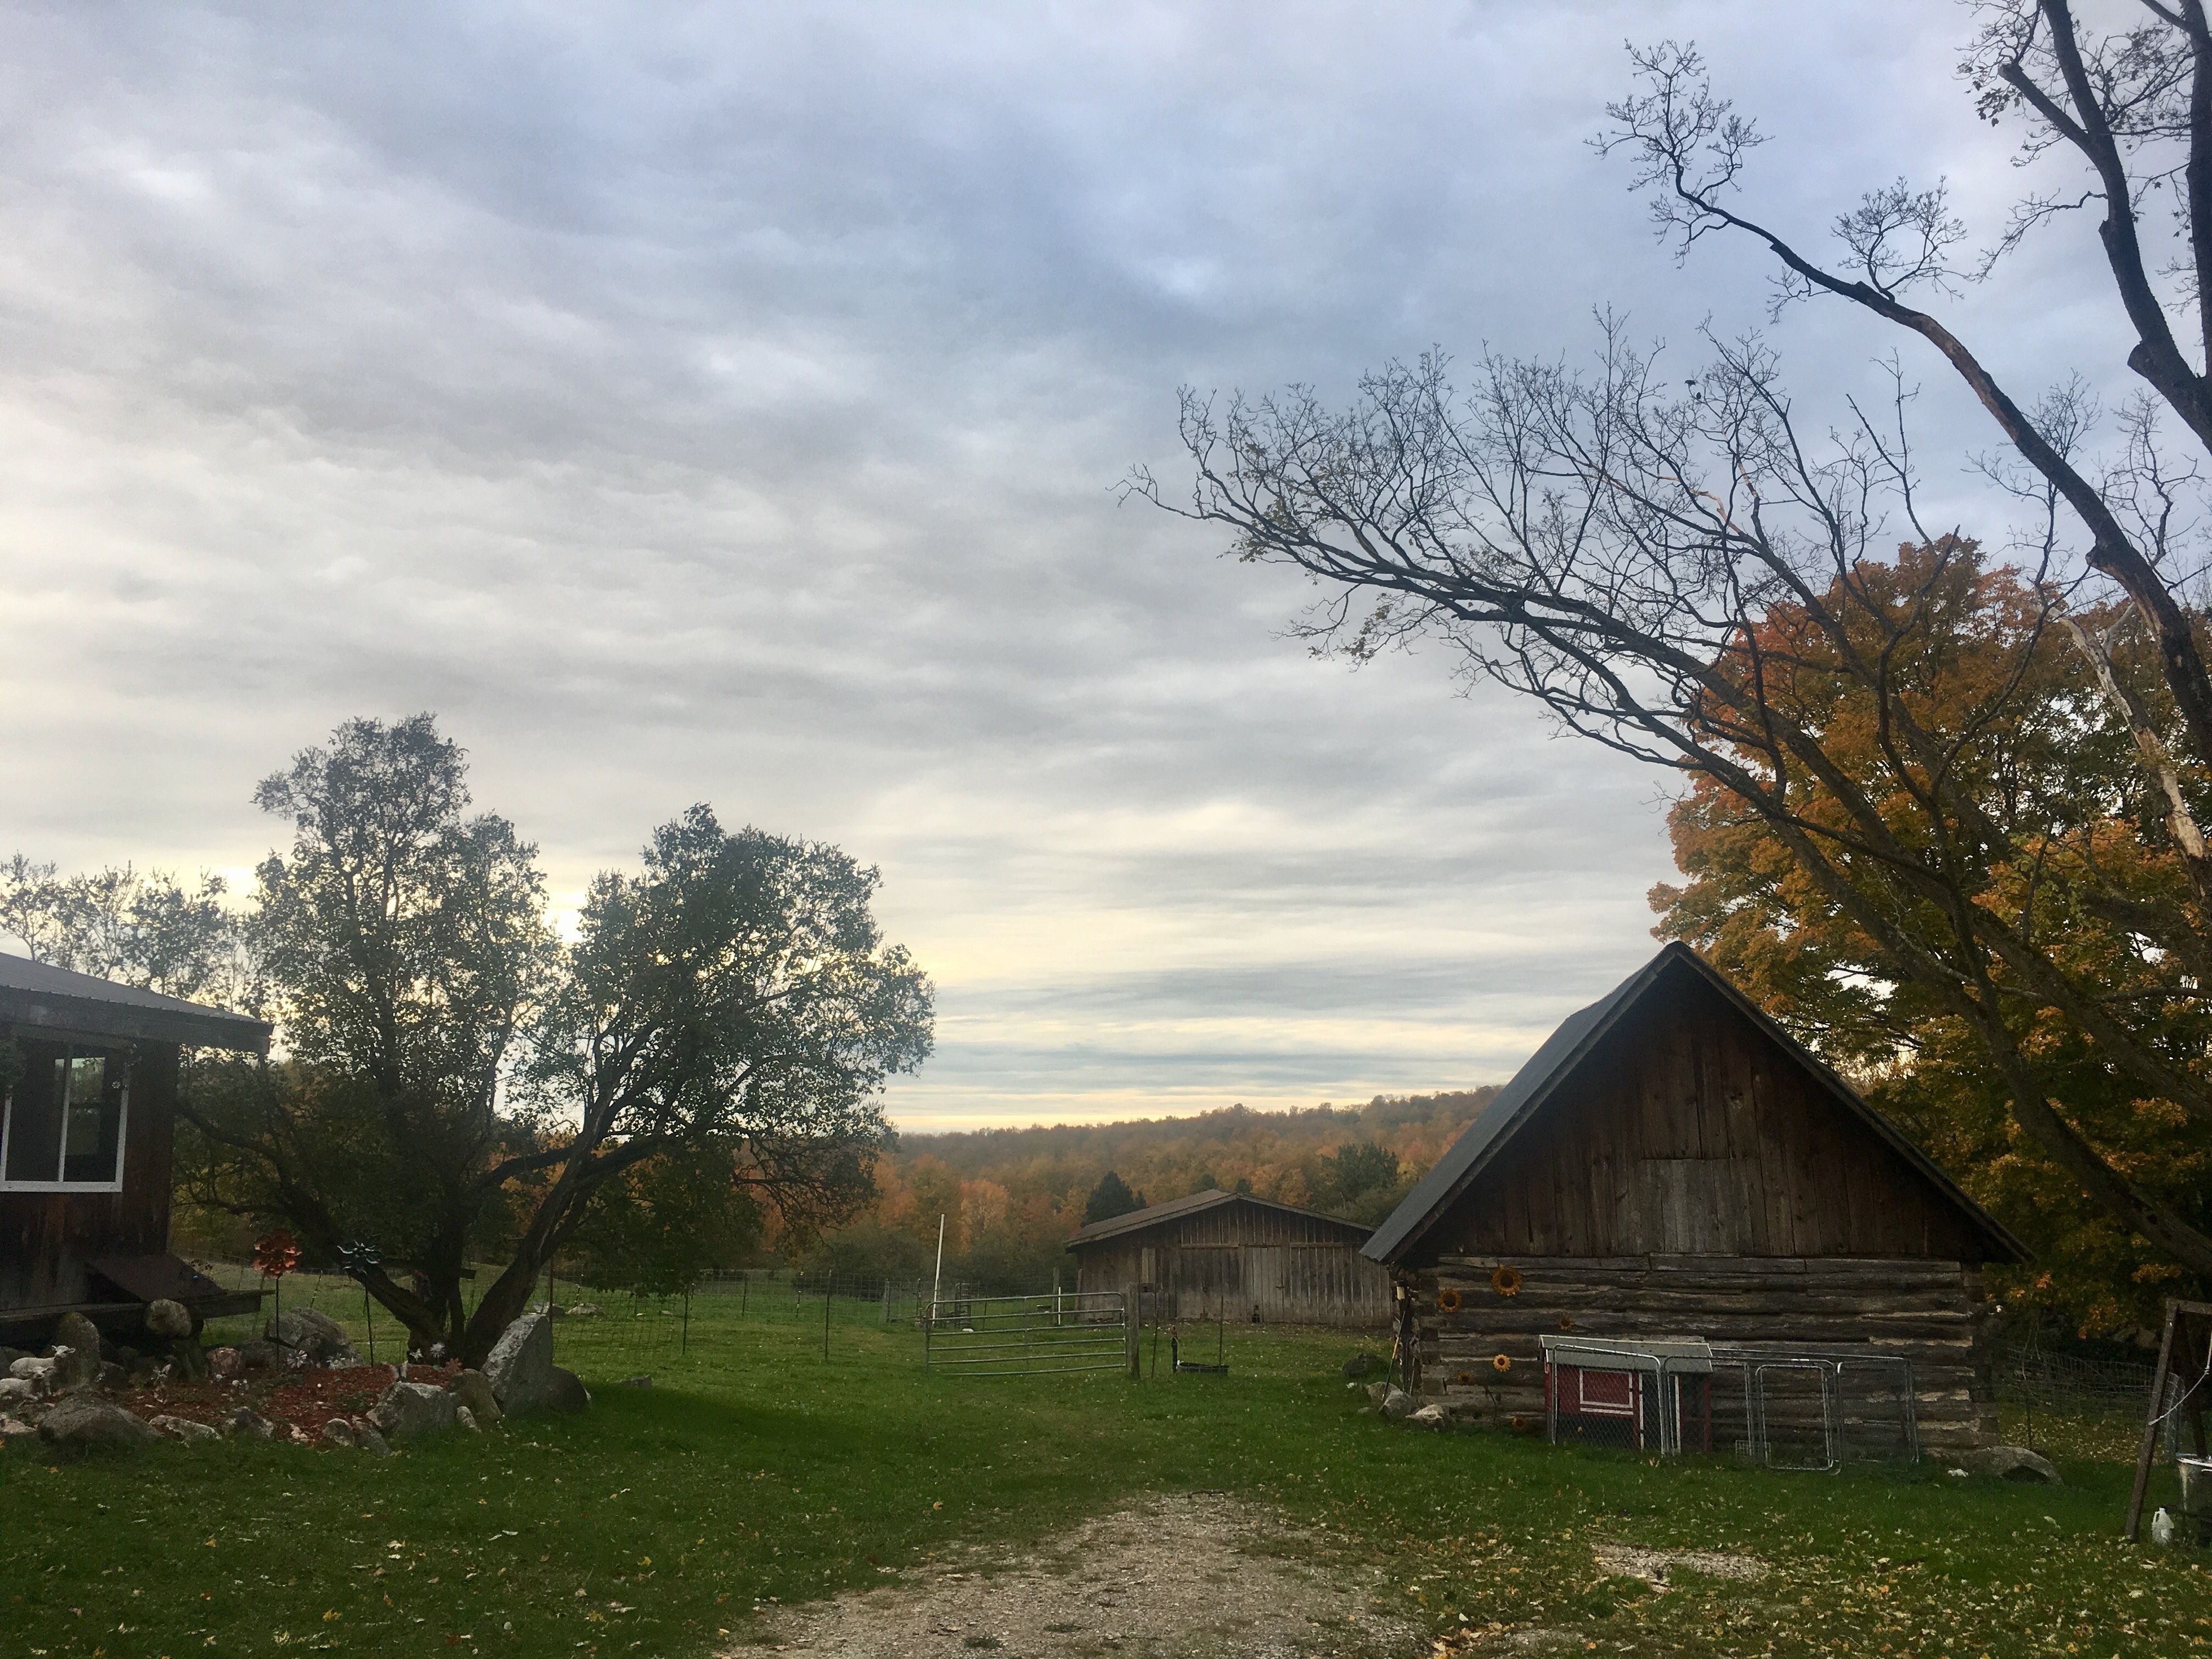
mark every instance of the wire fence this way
{"type": "Point", "coordinates": [2072, 1404]}
{"type": "Point", "coordinates": [614, 1336]}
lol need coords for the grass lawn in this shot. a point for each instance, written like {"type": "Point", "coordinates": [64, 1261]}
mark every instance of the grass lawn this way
{"type": "Point", "coordinates": [753, 1473]}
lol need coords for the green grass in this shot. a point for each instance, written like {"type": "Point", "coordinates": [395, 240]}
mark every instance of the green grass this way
{"type": "Point", "coordinates": [754, 1473]}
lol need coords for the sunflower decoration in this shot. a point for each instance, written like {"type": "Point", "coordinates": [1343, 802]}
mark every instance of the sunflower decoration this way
{"type": "Point", "coordinates": [1501, 1362]}
{"type": "Point", "coordinates": [276, 1254]}
{"type": "Point", "coordinates": [1566, 1322]}
{"type": "Point", "coordinates": [1506, 1281]}
{"type": "Point", "coordinates": [1448, 1300]}
{"type": "Point", "coordinates": [1465, 1379]}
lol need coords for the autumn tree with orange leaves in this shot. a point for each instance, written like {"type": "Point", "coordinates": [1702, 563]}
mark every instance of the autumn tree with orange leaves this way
{"type": "Point", "coordinates": [1674, 561]}
{"type": "Point", "coordinates": [2046, 760]}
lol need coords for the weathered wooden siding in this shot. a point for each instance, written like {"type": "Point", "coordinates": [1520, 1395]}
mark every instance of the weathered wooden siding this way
{"type": "Point", "coordinates": [47, 1239]}
{"type": "Point", "coordinates": [1925, 1311]}
{"type": "Point", "coordinates": [1691, 1131]}
{"type": "Point", "coordinates": [1227, 1261]}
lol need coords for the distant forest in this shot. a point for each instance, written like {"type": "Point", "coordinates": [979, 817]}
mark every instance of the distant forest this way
{"type": "Point", "coordinates": [1010, 1197]}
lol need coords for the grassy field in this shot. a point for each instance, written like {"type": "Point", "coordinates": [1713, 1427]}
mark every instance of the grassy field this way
{"type": "Point", "coordinates": [755, 1473]}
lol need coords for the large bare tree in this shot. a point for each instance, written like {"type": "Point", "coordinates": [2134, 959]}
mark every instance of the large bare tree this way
{"type": "Point", "coordinates": [1690, 573]}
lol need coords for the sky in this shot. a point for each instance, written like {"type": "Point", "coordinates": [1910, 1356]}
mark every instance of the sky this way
{"type": "Point", "coordinates": [728, 403]}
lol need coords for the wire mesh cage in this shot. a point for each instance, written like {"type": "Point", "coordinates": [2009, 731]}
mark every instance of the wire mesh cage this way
{"type": "Point", "coordinates": [1797, 1408]}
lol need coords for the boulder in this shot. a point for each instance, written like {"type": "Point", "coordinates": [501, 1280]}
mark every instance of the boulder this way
{"type": "Point", "coordinates": [1431, 1416]}
{"type": "Point", "coordinates": [258, 1355]}
{"type": "Point", "coordinates": [1379, 1392]}
{"type": "Point", "coordinates": [339, 1432]}
{"type": "Point", "coordinates": [84, 1422]}
{"type": "Point", "coordinates": [567, 1393]}
{"type": "Point", "coordinates": [369, 1440]}
{"type": "Point", "coordinates": [317, 1335]}
{"type": "Point", "coordinates": [1362, 1365]}
{"type": "Point", "coordinates": [224, 1365]}
{"type": "Point", "coordinates": [76, 1340]}
{"type": "Point", "coordinates": [2009, 1463]}
{"type": "Point", "coordinates": [172, 1321]}
{"type": "Point", "coordinates": [520, 1367]}
{"type": "Point", "coordinates": [472, 1390]}
{"type": "Point", "coordinates": [112, 1374]}
{"type": "Point", "coordinates": [244, 1423]}
{"type": "Point", "coordinates": [15, 1428]}
{"type": "Point", "coordinates": [181, 1428]}
{"type": "Point", "coordinates": [1397, 1405]}
{"type": "Point", "coordinates": [406, 1410]}
{"type": "Point", "coordinates": [466, 1419]}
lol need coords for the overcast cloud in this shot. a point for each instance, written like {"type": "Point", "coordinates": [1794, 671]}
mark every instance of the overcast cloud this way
{"type": "Point", "coordinates": [725, 403]}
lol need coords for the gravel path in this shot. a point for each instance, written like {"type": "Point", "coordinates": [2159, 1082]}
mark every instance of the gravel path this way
{"type": "Point", "coordinates": [1189, 1577]}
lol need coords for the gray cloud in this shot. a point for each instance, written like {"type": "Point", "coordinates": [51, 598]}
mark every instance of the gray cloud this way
{"type": "Point", "coordinates": [726, 404]}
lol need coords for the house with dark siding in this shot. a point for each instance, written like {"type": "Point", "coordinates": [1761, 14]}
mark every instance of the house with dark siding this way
{"type": "Point", "coordinates": [87, 1130]}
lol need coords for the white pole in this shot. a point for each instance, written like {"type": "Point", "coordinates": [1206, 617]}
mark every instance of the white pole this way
{"type": "Point", "coordinates": [937, 1283]}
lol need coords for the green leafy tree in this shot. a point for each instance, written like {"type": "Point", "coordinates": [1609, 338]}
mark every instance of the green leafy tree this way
{"type": "Point", "coordinates": [1109, 1198]}
{"type": "Point", "coordinates": [659, 1227]}
{"type": "Point", "coordinates": [448, 1065]}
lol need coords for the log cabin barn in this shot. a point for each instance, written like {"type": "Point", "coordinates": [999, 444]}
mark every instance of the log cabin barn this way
{"type": "Point", "coordinates": [1216, 1254]}
{"type": "Point", "coordinates": [1670, 1167]}
{"type": "Point", "coordinates": [87, 1130]}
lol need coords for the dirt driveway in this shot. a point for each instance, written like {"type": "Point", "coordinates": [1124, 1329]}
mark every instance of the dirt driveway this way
{"type": "Point", "coordinates": [1195, 1575]}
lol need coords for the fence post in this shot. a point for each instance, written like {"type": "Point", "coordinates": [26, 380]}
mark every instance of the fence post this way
{"type": "Point", "coordinates": [1132, 1319]}
{"type": "Point", "coordinates": [887, 1303]}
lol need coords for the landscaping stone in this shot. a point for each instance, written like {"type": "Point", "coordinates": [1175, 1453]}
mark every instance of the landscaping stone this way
{"type": "Point", "coordinates": [2009, 1463]}
{"type": "Point", "coordinates": [244, 1423]}
{"type": "Point", "coordinates": [339, 1432]}
{"type": "Point", "coordinates": [224, 1365]}
{"type": "Point", "coordinates": [83, 1422]}
{"type": "Point", "coordinates": [585, 1310]}
{"type": "Point", "coordinates": [466, 1420]}
{"type": "Point", "coordinates": [76, 1340]}
{"type": "Point", "coordinates": [520, 1368]}
{"type": "Point", "coordinates": [113, 1374]}
{"type": "Point", "coordinates": [1379, 1392]}
{"type": "Point", "coordinates": [1362, 1365]}
{"type": "Point", "coordinates": [567, 1393]}
{"type": "Point", "coordinates": [170, 1320]}
{"type": "Point", "coordinates": [317, 1335]}
{"type": "Point", "coordinates": [406, 1410]}
{"type": "Point", "coordinates": [1397, 1405]}
{"type": "Point", "coordinates": [15, 1428]}
{"type": "Point", "coordinates": [473, 1390]}
{"type": "Point", "coordinates": [1431, 1416]}
{"type": "Point", "coordinates": [370, 1440]}
{"type": "Point", "coordinates": [182, 1428]}
{"type": "Point", "coordinates": [259, 1355]}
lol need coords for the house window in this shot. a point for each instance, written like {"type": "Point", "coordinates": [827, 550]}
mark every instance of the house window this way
{"type": "Point", "coordinates": [65, 1122]}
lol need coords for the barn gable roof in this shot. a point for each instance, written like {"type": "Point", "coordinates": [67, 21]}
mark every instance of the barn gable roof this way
{"type": "Point", "coordinates": [1196, 1203]}
{"type": "Point", "coordinates": [35, 995]}
{"type": "Point", "coordinates": [1536, 1084]}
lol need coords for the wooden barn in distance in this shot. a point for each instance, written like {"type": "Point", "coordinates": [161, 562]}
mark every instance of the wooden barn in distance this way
{"type": "Point", "coordinates": [1671, 1167]}
{"type": "Point", "coordinates": [86, 1135]}
{"type": "Point", "coordinates": [1216, 1254]}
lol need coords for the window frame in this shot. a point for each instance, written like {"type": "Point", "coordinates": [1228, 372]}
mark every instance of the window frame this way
{"type": "Point", "coordinates": [113, 1054]}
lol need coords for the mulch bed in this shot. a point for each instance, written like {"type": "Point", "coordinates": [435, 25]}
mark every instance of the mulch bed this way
{"type": "Point", "coordinates": [302, 1400]}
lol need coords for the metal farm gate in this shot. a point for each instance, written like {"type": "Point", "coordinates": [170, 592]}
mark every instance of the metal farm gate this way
{"type": "Point", "coordinates": [1028, 1335]}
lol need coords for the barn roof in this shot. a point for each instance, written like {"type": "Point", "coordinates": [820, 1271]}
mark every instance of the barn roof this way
{"type": "Point", "coordinates": [1213, 1199]}
{"type": "Point", "coordinates": [40, 997]}
{"type": "Point", "coordinates": [1535, 1085]}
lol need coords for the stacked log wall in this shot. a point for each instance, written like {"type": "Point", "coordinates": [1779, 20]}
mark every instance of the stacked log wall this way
{"type": "Point", "coordinates": [1928, 1312]}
